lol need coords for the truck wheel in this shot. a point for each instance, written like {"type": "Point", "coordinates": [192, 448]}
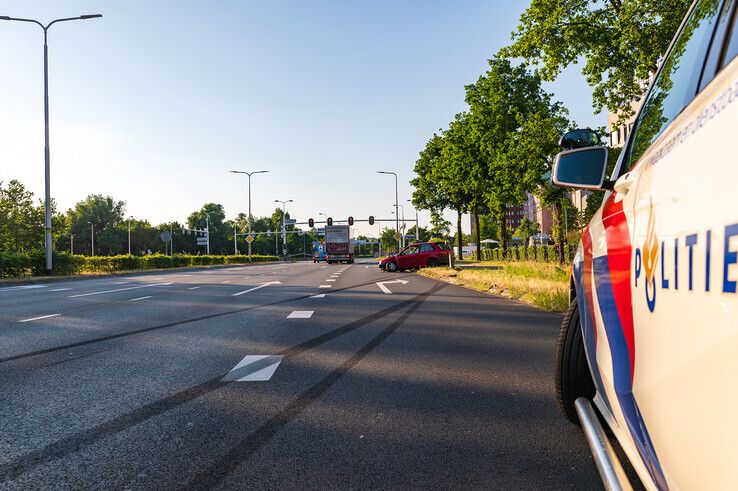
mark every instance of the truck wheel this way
{"type": "Point", "coordinates": [432, 262]}
{"type": "Point", "coordinates": [391, 267]}
{"type": "Point", "coordinates": [572, 377]}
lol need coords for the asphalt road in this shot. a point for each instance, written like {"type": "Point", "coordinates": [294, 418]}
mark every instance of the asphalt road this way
{"type": "Point", "coordinates": [289, 375]}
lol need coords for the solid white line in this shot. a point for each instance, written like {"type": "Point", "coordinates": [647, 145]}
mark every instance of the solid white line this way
{"type": "Point", "coordinates": [301, 314]}
{"type": "Point", "coordinates": [39, 318]}
{"type": "Point", "coordinates": [60, 289]}
{"type": "Point", "coordinates": [22, 287]}
{"type": "Point", "coordinates": [139, 298]}
{"type": "Point", "coordinates": [118, 290]}
{"type": "Point", "coordinates": [193, 288]}
{"type": "Point", "coordinates": [325, 286]}
{"type": "Point", "coordinates": [320, 295]}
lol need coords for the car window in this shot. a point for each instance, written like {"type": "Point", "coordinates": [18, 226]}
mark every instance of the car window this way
{"type": "Point", "coordinates": [712, 64]}
{"type": "Point", "coordinates": [409, 250]}
{"type": "Point", "coordinates": [676, 83]}
{"type": "Point", "coordinates": [732, 49]}
{"type": "Point", "coordinates": [426, 248]}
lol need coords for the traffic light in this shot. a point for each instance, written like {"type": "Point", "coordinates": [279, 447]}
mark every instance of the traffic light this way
{"type": "Point", "coordinates": [371, 219]}
{"type": "Point", "coordinates": [351, 220]}
{"type": "Point", "coordinates": [311, 223]}
{"type": "Point", "coordinates": [330, 221]}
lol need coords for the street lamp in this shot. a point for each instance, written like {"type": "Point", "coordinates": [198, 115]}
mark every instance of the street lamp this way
{"type": "Point", "coordinates": [47, 153]}
{"type": "Point", "coordinates": [249, 219]}
{"type": "Point", "coordinates": [397, 217]}
{"type": "Point", "coordinates": [129, 235]}
{"type": "Point", "coordinates": [284, 227]}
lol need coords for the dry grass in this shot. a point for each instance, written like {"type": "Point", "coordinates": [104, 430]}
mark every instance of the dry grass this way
{"type": "Point", "coordinates": [544, 285]}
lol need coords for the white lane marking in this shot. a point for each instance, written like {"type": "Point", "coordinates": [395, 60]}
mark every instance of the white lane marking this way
{"type": "Point", "coordinates": [193, 288]}
{"type": "Point", "coordinates": [22, 287]}
{"type": "Point", "coordinates": [39, 318]}
{"type": "Point", "coordinates": [301, 314]}
{"type": "Point", "coordinates": [118, 290]}
{"type": "Point", "coordinates": [366, 267]}
{"type": "Point", "coordinates": [386, 290]}
{"type": "Point", "coordinates": [185, 275]}
{"type": "Point", "coordinates": [325, 286]}
{"type": "Point", "coordinates": [329, 280]}
{"type": "Point", "coordinates": [253, 368]}
{"type": "Point", "coordinates": [257, 287]}
{"type": "Point", "coordinates": [60, 289]}
{"type": "Point", "coordinates": [320, 295]}
{"type": "Point", "coordinates": [246, 277]}
{"type": "Point", "coordinates": [139, 298]}
{"type": "Point", "coordinates": [226, 281]}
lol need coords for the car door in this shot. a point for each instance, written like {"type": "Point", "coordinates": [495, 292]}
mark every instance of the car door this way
{"type": "Point", "coordinates": [685, 306]}
{"type": "Point", "coordinates": [406, 259]}
{"type": "Point", "coordinates": [425, 252]}
{"type": "Point", "coordinates": [635, 246]}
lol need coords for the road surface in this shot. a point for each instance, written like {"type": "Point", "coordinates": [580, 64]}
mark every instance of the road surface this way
{"type": "Point", "coordinates": [286, 375]}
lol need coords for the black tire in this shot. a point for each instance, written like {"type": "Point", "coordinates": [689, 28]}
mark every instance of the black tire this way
{"type": "Point", "coordinates": [391, 267]}
{"type": "Point", "coordinates": [572, 376]}
{"type": "Point", "coordinates": [432, 262]}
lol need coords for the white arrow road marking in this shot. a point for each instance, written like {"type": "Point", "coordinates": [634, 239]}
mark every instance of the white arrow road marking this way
{"type": "Point", "coordinates": [320, 295]}
{"type": "Point", "coordinates": [257, 287]}
{"type": "Point", "coordinates": [39, 318]}
{"type": "Point", "coordinates": [301, 314]}
{"type": "Point", "coordinates": [118, 290]}
{"type": "Point", "coordinates": [386, 290]}
{"type": "Point", "coordinates": [254, 368]}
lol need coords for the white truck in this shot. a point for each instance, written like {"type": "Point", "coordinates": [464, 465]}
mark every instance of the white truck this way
{"type": "Point", "coordinates": [339, 246]}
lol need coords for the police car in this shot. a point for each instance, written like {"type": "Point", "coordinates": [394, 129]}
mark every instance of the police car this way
{"type": "Point", "coordinates": [649, 345]}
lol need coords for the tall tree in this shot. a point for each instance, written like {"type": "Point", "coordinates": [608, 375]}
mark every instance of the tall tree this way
{"type": "Point", "coordinates": [21, 222]}
{"type": "Point", "coordinates": [619, 43]}
{"type": "Point", "coordinates": [440, 227]}
{"type": "Point", "coordinates": [104, 213]}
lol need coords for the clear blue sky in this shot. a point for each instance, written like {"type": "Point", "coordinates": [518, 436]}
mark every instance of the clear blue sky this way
{"type": "Point", "coordinates": [154, 103]}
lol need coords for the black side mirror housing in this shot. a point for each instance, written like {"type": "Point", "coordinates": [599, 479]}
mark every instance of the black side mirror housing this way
{"type": "Point", "coordinates": [580, 138]}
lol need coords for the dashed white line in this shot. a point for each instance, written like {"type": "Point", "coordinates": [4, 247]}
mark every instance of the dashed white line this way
{"type": "Point", "coordinates": [330, 279]}
{"type": "Point", "coordinates": [301, 314]}
{"type": "Point", "coordinates": [325, 286]}
{"type": "Point", "coordinates": [60, 289]}
{"type": "Point", "coordinates": [39, 318]}
{"type": "Point", "coordinates": [139, 298]}
{"type": "Point", "coordinates": [193, 288]}
{"type": "Point", "coordinates": [226, 281]}
{"type": "Point", "coordinates": [257, 287]}
{"type": "Point", "coordinates": [320, 295]}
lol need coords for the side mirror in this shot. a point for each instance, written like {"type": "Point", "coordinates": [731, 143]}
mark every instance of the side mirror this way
{"type": "Point", "coordinates": [579, 139]}
{"type": "Point", "coordinates": [582, 168]}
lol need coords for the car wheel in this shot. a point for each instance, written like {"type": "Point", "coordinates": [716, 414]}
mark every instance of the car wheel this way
{"type": "Point", "coordinates": [391, 267]}
{"type": "Point", "coordinates": [572, 376]}
{"type": "Point", "coordinates": [432, 262]}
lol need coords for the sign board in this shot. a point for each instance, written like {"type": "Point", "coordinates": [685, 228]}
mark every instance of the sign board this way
{"type": "Point", "coordinates": [290, 221]}
{"type": "Point", "coordinates": [201, 241]}
{"type": "Point", "coordinates": [409, 236]}
{"type": "Point", "coordinates": [269, 233]}
{"type": "Point", "coordinates": [397, 236]}
{"type": "Point", "coordinates": [249, 238]}
{"type": "Point", "coordinates": [166, 236]}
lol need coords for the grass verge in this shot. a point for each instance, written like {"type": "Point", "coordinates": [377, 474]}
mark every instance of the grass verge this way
{"type": "Point", "coordinates": [544, 285]}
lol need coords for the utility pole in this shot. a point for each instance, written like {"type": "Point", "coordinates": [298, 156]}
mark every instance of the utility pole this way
{"type": "Point", "coordinates": [207, 231]}
{"type": "Point", "coordinates": [249, 218]}
{"type": "Point", "coordinates": [71, 244]}
{"type": "Point", "coordinates": [47, 151]}
{"type": "Point", "coordinates": [92, 236]}
{"type": "Point", "coordinates": [284, 226]}
{"type": "Point", "coordinates": [129, 235]}
{"type": "Point", "coordinates": [417, 227]}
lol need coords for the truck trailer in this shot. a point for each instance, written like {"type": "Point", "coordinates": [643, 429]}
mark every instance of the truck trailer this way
{"type": "Point", "coordinates": [339, 246]}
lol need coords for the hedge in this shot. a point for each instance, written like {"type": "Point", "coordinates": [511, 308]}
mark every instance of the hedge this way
{"type": "Point", "coordinates": [14, 264]}
{"type": "Point", "coordinates": [540, 253]}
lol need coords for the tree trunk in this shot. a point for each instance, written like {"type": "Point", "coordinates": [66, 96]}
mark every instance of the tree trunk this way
{"type": "Point", "coordinates": [503, 229]}
{"type": "Point", "coordinates": [560, 211]}
{"type": "Point", "coordinates": [479, 239]}
{"type": "Point", "coordinates": [458, 234]}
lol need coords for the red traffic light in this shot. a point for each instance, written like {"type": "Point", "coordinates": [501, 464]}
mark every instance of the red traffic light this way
{"type": "Point", "coordinates": [311, 222]}
{"type": "Point", "coordinates": [330, 221]}
{"type": "Point", "coordinates": [351, 220]}
{"type": "Point", "coordinates": [371, 219]}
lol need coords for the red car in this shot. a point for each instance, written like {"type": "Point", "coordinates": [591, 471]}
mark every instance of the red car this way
{"type": "Point", "coordinates": [418, 255]}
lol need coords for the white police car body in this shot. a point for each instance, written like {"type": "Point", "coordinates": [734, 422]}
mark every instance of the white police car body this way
{"type": "Point", "coordinates": [651, 336]}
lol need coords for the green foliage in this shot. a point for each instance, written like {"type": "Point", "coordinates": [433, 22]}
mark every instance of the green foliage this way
{"type": "Point", "coordinates": [619, 43]}
{"type": "Point", "coordinates": [20, 264]}
{"type": "Point", "coordinates": [527, 229]}
{"type": "Point", "coordinates": [21, 222]}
